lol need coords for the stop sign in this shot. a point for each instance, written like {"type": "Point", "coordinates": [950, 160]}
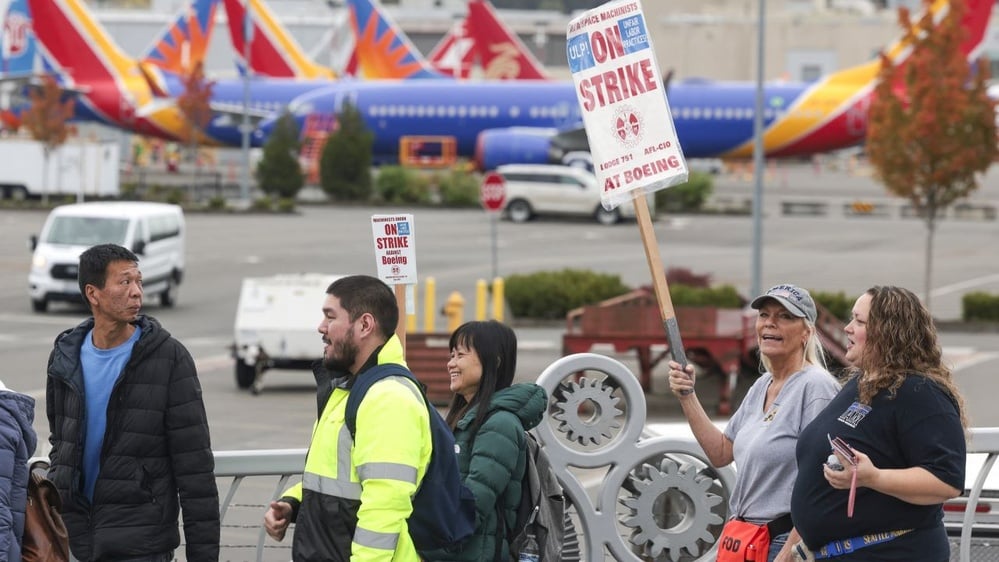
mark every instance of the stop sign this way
{"type": "Point", "coordinates": [493, 192]}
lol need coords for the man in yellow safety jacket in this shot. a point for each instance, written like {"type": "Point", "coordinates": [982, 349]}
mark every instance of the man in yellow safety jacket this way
{"type": "Point", "coordinates": [355, 496]}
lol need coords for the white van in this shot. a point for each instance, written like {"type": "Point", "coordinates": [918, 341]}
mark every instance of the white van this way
{"type": "Point", "coordinates": [546, 189]}
{"type": "Point", "coordinates": [154, 231]}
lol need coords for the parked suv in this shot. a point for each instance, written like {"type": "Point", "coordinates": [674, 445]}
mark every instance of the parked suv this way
{"type": "Point", "coordinates": [543, 189]}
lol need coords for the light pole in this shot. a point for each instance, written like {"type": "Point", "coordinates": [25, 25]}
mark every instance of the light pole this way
{"type": "Point", "coordinates": [758, 159]}
{"type": "Point", "coordinates": [244, 190]}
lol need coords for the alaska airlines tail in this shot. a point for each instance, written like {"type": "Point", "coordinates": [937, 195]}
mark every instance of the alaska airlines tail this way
{"type": "Point", "coordinates": [835, 107]}
{"type": "Point", "coordinates": [454, 54]}
{"type": "Point", "coordinates": [501, 53]}
{"type": "Point", "coordinates": [383, 50]}
{"type": "Point", "coordinates": [273, 51]}
{"type": "Point", "coordinates": [20, 54]}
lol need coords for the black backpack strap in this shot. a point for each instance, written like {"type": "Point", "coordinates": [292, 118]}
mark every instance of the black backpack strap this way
{"type": "Point", "coordinates": [363, 382]}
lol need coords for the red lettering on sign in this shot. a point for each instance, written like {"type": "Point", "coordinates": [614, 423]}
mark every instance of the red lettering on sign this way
{"type": "Point", "coordinates": [607, 44]}
{"type": "Point", "coordinates": [656, 167]}
{"type": "Point", "coordinates": [392, 242]}
{"type": "Point", "coordinates": [616, 85]}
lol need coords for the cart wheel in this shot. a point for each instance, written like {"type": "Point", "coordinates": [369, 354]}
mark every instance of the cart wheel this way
{"type": "Point", "coordinates": [245, 374]}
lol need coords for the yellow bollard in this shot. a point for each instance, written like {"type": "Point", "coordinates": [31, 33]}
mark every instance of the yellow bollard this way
{"type": "Point", "coordinates": [498, 299]}
{"type": "Point", "coordinates": [454, 310]}
{"type": "Point", "coordinates": [411, 318]}
{"type": "Point", "coordinates": [428, 309]}
{"type": "Point", "coordinates": [481, 296]}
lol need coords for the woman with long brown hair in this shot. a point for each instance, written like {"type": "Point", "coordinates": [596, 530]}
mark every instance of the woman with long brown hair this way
{"type": "Point", "coordinates": [900, 427]}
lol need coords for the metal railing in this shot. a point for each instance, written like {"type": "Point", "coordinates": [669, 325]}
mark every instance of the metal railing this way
{"type": "Point", "coordinates": [595, 426]}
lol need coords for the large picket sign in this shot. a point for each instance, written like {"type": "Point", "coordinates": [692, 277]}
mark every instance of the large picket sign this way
{"type": "Point", "coordinates": [632, 138]}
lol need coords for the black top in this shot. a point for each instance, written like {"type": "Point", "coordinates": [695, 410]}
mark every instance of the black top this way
{"type": "Point", "coordinates": [919, 426]}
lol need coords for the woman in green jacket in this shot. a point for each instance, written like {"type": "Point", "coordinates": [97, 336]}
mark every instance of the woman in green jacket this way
{"type": "Point", "coordinates": [489, 416]}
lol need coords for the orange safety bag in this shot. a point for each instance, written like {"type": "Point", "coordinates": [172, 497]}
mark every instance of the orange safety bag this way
{"type": "Point", "coordinates": [743, 542]}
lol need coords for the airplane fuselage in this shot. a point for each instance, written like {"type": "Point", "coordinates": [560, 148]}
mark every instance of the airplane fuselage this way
{"type": "Point", "coordinates": [712, 119]}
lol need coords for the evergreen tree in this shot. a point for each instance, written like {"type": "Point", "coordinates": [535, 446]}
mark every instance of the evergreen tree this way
{"type": "Point", "coordinates": [278, 172]}
{"type": "Point", "coordinates": [345, 164]}
{"type": "Point", "coordinates": [932, 125]}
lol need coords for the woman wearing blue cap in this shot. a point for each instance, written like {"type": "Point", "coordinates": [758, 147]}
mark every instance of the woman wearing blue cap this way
{"type": "Point", "coordinates": [761, 436]}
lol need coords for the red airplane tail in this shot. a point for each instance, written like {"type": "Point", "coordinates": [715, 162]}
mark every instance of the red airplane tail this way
{"type": "Point", "coordinates": [502, 54]}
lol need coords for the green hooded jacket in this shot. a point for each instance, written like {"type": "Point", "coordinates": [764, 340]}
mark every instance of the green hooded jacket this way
{"type": "Point", "coordinates": [494, 467]}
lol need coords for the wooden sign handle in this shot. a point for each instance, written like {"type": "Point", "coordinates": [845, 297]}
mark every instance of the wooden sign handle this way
{"type": "Point", "coordinates": [659, 285]}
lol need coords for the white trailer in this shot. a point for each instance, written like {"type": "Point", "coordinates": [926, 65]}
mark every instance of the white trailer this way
{"type": "Point", "coordinates": [86, 169]}
{"type": "Point", "coordinates": [276, 324]}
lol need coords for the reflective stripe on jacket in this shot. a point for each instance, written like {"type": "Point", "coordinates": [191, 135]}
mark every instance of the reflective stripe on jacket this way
{"type": "Point", "coordinates": [355, 497]}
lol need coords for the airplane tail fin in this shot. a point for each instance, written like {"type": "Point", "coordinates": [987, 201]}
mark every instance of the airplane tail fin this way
{"type": "Point", "coordinates": [383, 50]}
{"type": "Point", "coordinates": [454, 54]}
{"type": "Point", "coordinates": [21, 56]}
{"type": "Point", "coordinates": [974, 21]}
{"type": "Point", "coordinates": [273, 51]}
{"type": "Point", "coordinates": [343, 46]}
{"type": "Point", "coordinates": [184, 42]}
{"type": "Point", "coordinates": [814, 125]}
{"type": "Point", "coordinates": [502, 54]}
{"type": "Point", "coordinates": [74, 40]}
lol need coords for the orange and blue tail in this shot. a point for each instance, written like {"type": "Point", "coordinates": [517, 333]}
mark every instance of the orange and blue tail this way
{"type": "Point", "coordinates": [383, 50]}
{"type": "Point", "coordinates": [185, 42]}
{"type": "Point", "coordinates": [501, 53]}
{"type": "Point", "coordinates": [273, 51]}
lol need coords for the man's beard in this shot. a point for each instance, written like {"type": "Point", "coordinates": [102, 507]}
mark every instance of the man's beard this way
{"type": "Point", "coordinates": [343, 353]}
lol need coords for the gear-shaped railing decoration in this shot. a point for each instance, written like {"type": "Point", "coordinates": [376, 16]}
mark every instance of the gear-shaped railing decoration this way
{"type": "Point", "coordinates": [660, 498]}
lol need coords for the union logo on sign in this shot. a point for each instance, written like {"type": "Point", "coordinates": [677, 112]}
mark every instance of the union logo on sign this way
{"type": "Point", "coordinates": [396, 270]}
{"type": "Point", "coordinates": [628, 126]}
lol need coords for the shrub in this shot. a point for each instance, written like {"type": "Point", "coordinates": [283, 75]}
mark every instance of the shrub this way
{"type": "Point", "coordinates": [286, 205]}
{"type": "Point", "coordinates": [396, 184]}
{"type": "Point", "coordinates": [980, 306]}
{"type": "Point", "coordinates": [687, 197]}
{"type": "Point", "coordinates": [130, 191]}
{"type": "Point", "coordinates": [176, 196]}
{"type": "Point", "coordinates": [459, 189]}
{"type": "Point", "coordinates": [217, 203]}
{"type": "Point", "coordinates": [262, 204]}
{"type": "Point", "coordinates": [722, 296]}
{"type": "Point", "coordinates": [552, 294]}
{"type": "Point", "coordinates": [838, 304]}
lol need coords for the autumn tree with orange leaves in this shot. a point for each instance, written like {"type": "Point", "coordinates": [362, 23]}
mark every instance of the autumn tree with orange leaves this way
{"type": "Point", "coordinates": [932, 129]}
{"type": "Point", "coordinates": [195, 104]}
{"type": "Point", "coordinates": [46, 119]}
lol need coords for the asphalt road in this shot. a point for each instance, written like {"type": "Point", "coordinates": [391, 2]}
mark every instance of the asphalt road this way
{"type": "Point", "coordinates": [453, 246]}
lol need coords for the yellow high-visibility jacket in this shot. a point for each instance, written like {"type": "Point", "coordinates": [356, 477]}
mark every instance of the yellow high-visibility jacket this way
{"type": "Point", "coordinates": [355, 496]}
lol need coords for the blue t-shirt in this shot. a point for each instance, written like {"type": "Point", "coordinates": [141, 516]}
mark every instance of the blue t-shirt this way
{"type": "Point", "coordinates": [101, 369]}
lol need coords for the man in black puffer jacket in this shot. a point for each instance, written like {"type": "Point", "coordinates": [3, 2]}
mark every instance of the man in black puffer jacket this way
{"type": "Point", "coordinates": [129, 433]}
